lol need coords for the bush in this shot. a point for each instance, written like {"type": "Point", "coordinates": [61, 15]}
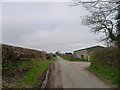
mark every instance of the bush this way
{"type": "Point", "coordinates": [54, 55]}
{"type": "Point", "coordinates": [49, 56]}
{"type": "Point", "coordinates": [12, 56]}
{"type": "Point", "coordinates": [106, 57]}
{"type": "Point", "coordinates": [106, 63]}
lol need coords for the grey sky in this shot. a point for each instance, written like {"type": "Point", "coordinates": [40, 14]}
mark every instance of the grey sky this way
{"type": "Point", "coordinates": [48, 26]}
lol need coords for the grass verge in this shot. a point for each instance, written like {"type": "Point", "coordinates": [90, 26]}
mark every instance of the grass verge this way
{"type": "Point", "coordinates": [73, 59]}
{"type": "Point", "coordinates": [32, 77]}
{"type": "Point", "coordinates": [109, 73]}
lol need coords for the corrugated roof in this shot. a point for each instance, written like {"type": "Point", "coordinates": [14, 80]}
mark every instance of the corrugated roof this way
{"type": "Point", "coordinates": [89, 48]}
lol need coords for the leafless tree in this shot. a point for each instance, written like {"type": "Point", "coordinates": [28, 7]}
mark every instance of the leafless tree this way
{"type": "Point", "coordinates": [101, 18]}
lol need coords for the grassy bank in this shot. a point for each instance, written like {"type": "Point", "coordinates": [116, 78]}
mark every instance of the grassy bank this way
{"type": "Point", "coordinates": [109, 73]}
{"type": "Point", "coordinates": [73, 59]}
{"type": "Point", "coordinates": [32, 77]}
{"type": "Point", "coordinates": [25, 74]}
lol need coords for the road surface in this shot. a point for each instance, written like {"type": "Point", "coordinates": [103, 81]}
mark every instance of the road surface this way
{"type": "Point", "coordinates": [66, 74]}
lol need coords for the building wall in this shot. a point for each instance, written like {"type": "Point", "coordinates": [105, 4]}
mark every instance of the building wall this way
{"type": "Point", "coordinates": [86, 52]}
{"type": "Point", "coordinates": [81, 54]}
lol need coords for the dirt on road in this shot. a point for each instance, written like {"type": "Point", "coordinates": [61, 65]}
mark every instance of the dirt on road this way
{"type": "Point", "coordinates": [66, 74]}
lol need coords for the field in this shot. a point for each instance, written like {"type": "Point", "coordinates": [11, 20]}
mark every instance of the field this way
{"type": "Point", "coordinates": [73, 59]}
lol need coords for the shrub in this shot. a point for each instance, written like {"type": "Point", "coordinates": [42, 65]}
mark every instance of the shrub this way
{"type": "Point", "coordinates": [107, 57]}
{"type": "Point", "coordinates": [106, 63]}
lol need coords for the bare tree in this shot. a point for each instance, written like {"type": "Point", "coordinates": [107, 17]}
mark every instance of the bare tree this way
{"type": "Point", "coordinates": [118, 26]}
{"type": "Point", "coordinates": [101, 19]}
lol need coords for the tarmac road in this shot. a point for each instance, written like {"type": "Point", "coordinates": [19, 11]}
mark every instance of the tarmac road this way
{"type": "Point", "coordinates": [67, 74]}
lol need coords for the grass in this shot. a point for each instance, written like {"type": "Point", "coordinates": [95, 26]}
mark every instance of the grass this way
{"type": "Point", "coordinates": [73, 59]}
{"type": "Point", "coordinates": [32, 77]}
{"type": "Point", "coordinates": [107, 72]}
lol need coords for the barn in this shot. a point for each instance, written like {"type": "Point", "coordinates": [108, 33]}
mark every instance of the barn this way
{"type": "Point", "coordinates": [84, 53]}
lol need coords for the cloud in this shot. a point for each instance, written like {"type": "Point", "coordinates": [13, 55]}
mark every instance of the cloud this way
{"type": "Point", "coordinates": [0, 22]}
{"type": "Point", "coordinates": [45, 26]}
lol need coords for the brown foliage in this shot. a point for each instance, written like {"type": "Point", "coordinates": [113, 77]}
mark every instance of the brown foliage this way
{"type": "Point", "coordinates": [18, 53]}
{"type": "Point", "coordinates": [107, 57]}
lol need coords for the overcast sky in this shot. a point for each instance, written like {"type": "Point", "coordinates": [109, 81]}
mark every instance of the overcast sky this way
{"type": "Point", "coordinates": [48, 26]}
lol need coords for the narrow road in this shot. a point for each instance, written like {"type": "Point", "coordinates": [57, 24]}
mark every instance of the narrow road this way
{"type": "Point", "coordinates": [66, 74]}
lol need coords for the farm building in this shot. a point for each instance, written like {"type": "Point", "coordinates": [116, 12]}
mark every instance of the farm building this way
{"type": "Point", "coordinates": [84, 53]}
